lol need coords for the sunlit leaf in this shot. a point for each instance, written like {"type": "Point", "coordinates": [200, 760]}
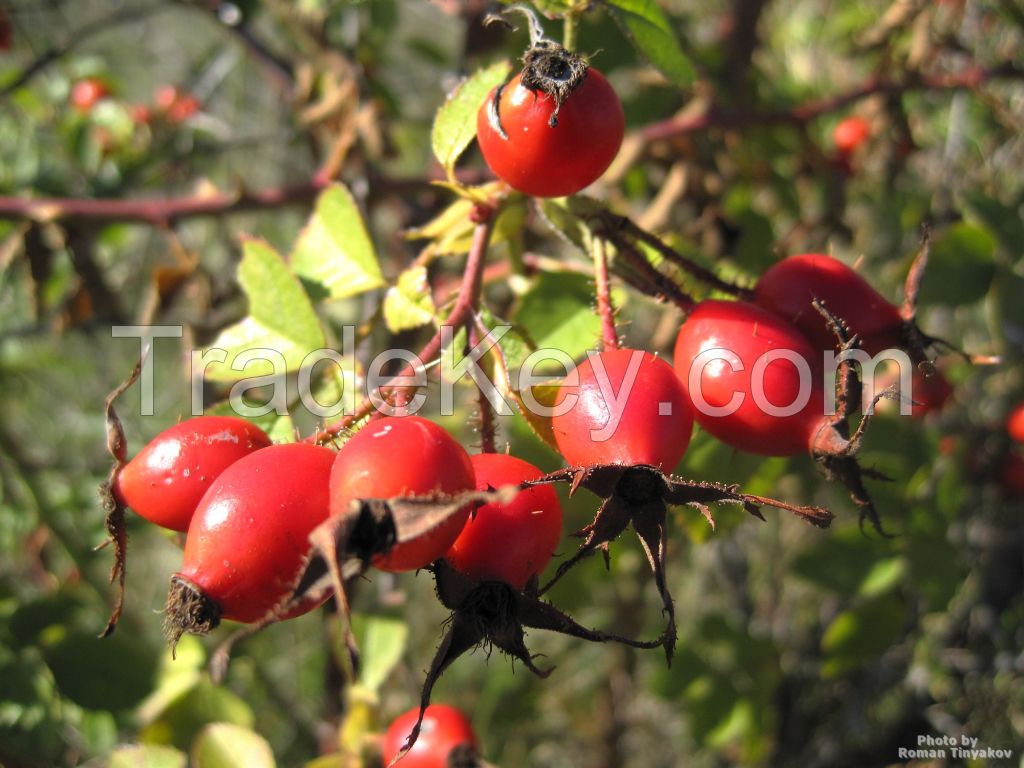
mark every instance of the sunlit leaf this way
{"type": "Point", "coordinates": [222, 745]}
{"type": "Point", "coordinates": [651, 33]}
{"type": "Point", "coordinates": [334, 256]}
{"type": "Point", "coordinates": [455, 123]}
{"type": "Point", "coordinates": [281, 320]}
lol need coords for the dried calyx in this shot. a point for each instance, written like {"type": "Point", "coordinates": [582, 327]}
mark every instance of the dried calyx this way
{"type": "Point", "coordinates": [547, 66]}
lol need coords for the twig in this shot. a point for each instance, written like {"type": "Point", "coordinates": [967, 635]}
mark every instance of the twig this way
{"type": "Point", "coordinates": [84, 33]}
{"type": "Point", "coordinates": [968, 79]}
{"type": "Point", "coordinates": [157, 212]}
{"type": "Point", "coordinates": [465, 305]}
{"type": "Point", "coordinates": [605, 309]}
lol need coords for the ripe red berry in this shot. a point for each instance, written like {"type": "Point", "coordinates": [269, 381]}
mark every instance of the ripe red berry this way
{"type": "Point", "coordinates": [745, 333]}
{"type": "Point", "coordinates": [1015, 423]}
{"type": "Point", "coordinates": [251, 532]}
{"type": "Point", "coordinates": [85, 94]}
{"type": "Point", "coordinates": [646, 411]}
{"type": "Point", "coordinates": [167, 478]}
{"type": "Point", "coordinates": [445, 729]}
{"type": "Point", "coordinates": [550, 161]}
{"type": "Point", "coordinates": [850, 133]}
{"type": "Point", "coordinates": [403, 456]}
{"type": "Point", "coordinates": [508, 542]}
{"type": "Point", "coordinates": [789, 286]}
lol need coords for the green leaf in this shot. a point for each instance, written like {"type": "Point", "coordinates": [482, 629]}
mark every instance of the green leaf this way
{"type": "Point", "coordinates": [558, 311]}
{"type": "Point", "coordinates": [334, 256]}
{"type": "Point", "coordinates": [455, 123]}
{"type": "Point", "coordinates": [223, 745]}
{"type": "Point", "coordinates": [382, 642]}
{"type": "Point", "coordinates": [114, 673]}
{"type": "Point", "coordinates": [960, 267]}
{"type": "Point", "coordinates": [281, 318]}
{"type": "Point", "coordinates": [147, 756]}
{"type": "Point", "coordinates": [409, 303]}
{"type": "Point", "coordinates": [1005, 221]}
{"type": "Point", "coordinates": [651, 33]}
{"type": "Point", "coordinates": [861, 633]}
{"type": "Point", "coordinates": [203, 703]}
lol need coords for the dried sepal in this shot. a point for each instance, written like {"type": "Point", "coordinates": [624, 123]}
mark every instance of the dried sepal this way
{"type": "Point", "coordinates": [494, 615]}
{"type": "Point", "coordinates": [343, 547]}
{"type": "Point", "coordinates": [114, 510]}
{"type": "Point", "coordinates": [639, 496]}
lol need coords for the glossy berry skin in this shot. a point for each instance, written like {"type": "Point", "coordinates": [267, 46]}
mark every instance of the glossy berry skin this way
{"type": "Point", "coordinates": [508, 542]}
{"type": "Point", "coordinates": [789, 286]}
{"type": "Point", "coordinates": [85, 94]}
{"type": "Point", "coordinates": [251, 532]}
{"type": "Point", "coordinates": [167, 478]}
{"type": "Point", "coordinates": [750, 331]}
{"type": "Point", "coordinates": [1015, 424]}
{"type": "Point", "coordinates": [545, 161]}
{"type": "Point", "coordinates": [643, 434]}
{"type": "Point", "coordinates": [850, 133]}
{"type": "Point", "coordinates": [403, 456]}
{"type": "Point", "coordinates": [444, 729]}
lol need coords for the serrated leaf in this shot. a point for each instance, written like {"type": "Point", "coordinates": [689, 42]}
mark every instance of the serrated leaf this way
{"type": "Point", "coordinates": [960, 267]}
{"type": "Point", "coordinates": [281, 319]}
{"type": "Point", "coordinates": [408, 303]}
{"type": "Point", "coordinates": [647, 27]}
{"type": "Point", "coordinates": [455, 123]}
{"type": "Point", "coordinates": [334, 256]}
{"type": "Point", "coordinates": [222, 745]}
{"type": "Point", "coordinates": [147, 756]}
{"type": "Point", "coordinates": [383, 642]}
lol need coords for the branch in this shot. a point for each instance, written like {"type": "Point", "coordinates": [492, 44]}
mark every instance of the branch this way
{"type": "Point", "coordinates": [461, 314]}
{"type": "Point", "coordinates": [157, 212]}
{"type": "Point", "coordinates": [969, 79]}
{"type": "Point", "coordinates": [85, 32]}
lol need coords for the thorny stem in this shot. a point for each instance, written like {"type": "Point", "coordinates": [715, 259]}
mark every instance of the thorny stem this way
{"type": "Point", "coordinates": [969, 79]}
{"type": "Point", "coordinates": [465, 305]}
{"type": "Point", "coordinates": [621, 225]}
{"type": "Point", "coordinates": [605, 309]}
{"type": "Point", "coordinates": [663, 286]}
{"type": "Point", "coordinates": [487, 425]}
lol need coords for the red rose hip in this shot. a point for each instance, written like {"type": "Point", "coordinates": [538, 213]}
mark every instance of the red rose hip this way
{"type": "Point", "coordinates": [508, 542]}
{"type": "Point", "coordinates": [165, 481]}
{"type": "Point", "coordinates": [403, 456]}
{"type": "Point", "coordinates": [249, 536]}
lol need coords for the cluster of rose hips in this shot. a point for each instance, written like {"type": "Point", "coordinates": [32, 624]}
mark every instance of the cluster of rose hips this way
{"type": "Point", "coordinates": [254, 513]}
{"type": "Point", "coordinates": [170, 103]}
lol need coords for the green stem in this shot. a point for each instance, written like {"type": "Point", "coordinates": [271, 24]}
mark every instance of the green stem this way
{"type": "Point", "coordinates": [569, 31]}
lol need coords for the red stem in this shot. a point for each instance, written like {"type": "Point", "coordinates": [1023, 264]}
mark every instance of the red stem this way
{"type": "Point", "coordinates": [605, 309]}
{"type": "Point", "coordinates": [967, 80]}
{"type": "Point", "coordinates": [467, 302]}
{"type": "Point", "coordinates": [157, 212]}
